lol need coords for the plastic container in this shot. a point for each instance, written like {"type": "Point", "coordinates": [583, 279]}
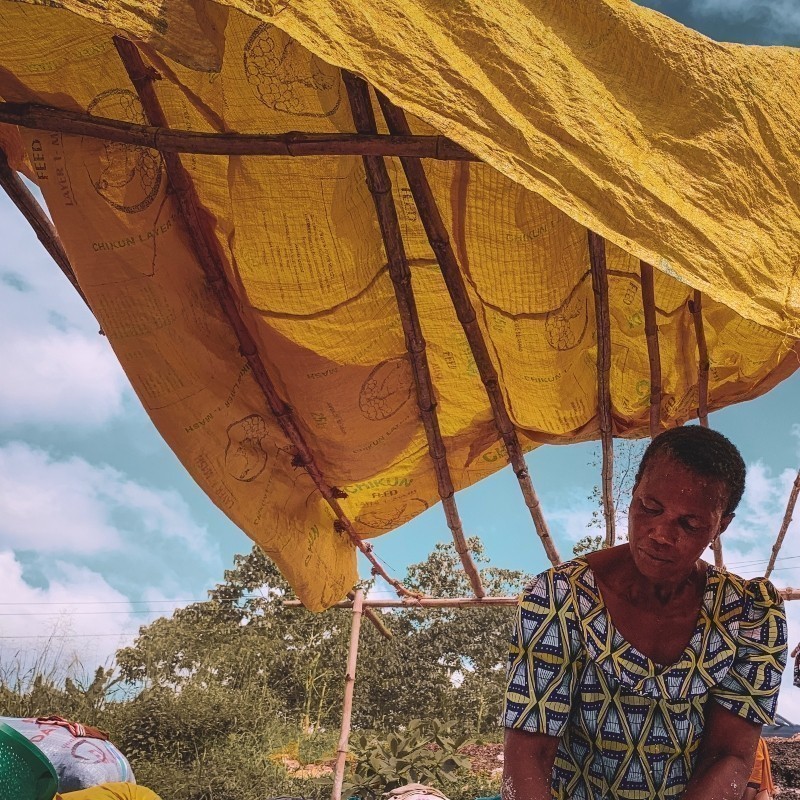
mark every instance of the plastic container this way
{"type": "Point", "coordinates": [25, 772]}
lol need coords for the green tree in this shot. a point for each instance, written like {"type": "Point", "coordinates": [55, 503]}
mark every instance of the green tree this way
{"type": "Point", "coordinates": [450, 661]}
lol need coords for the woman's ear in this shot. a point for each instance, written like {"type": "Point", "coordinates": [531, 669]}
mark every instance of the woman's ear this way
{"type": "Point", "coordinates": [726, 520]}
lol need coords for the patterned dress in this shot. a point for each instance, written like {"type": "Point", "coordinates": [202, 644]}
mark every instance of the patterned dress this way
{"type": "Point", "coordinates": [630, 729]}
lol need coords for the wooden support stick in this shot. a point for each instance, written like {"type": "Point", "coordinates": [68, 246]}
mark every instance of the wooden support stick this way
{"type": "Point", "coordinates": [440, 244]}
{"type": "Point", "coordinates": [373, 617]}
{"type": "Point", "coordinates": [464, 602]}
{"type": "Point", "coordinates": [653, 349]}
{"type": "Point", "coordinates": [597, 259]}
{"type": "Point", "coordinates": [703, 367]}
{"type": "Point", "coordinates": [423, 602]}
{"type": "Point", "coordinates": [201, 232]}
{"type": "Point", "coordinates": [381, 189]}
{"type": "Point", "coordinates": [22, 198]}
{"type": "Point", "coordinates": [787, 518]}
{"type": "Point", "coordinates": [703, 364]}
{"type": "Point", "coordinates": [347, 709]}
{"type": "Point", "coordinates": [44, 118]}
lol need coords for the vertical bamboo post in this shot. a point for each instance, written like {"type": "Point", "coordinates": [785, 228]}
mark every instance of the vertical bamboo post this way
{"type": "Point", "coordinates": [653, 349]}
{"type": "Point", "coordinates": [597, 260]}
{"type": "Point", "coordinates": [349, 684]}
{"type": "Point", "coordinates": [703, 368]}
{"type": "Point", "coordinates": [787, 518]}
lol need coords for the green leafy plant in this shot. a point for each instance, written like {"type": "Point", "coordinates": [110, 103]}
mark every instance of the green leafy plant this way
{"type": "Point", "coordinates": [425, 752]}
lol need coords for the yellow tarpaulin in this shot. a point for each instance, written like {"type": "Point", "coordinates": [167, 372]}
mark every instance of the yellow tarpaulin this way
{"type": "Point", "coordinates": [592, 113]}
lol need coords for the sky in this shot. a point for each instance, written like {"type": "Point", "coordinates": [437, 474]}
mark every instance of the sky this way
{"type": "Point", "coordinates": [102, 530]}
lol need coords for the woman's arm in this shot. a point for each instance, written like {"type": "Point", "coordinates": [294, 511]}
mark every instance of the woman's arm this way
{"type": "Point", "coordinates": [528, 765]}
{"type": "Point", "coordinates": [726, 756]}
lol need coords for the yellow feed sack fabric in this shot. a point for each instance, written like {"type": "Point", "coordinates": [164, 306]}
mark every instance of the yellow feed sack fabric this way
{"type": "Point", "coordinates": [679, 150]}
{"type": "Point", "coordinates": [111, 791]}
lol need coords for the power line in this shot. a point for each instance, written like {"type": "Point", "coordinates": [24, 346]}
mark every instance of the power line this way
{"type": "Point", "coordinates": [92, 602]}
{"type": "Point", "coordinates": [762, 560]}
{"type": "Point", "coordinates": [68, 603]}
{"type": "Point", "coordinates": [69, 635]}
{"type": "Point", "coordinates": [76, 613]}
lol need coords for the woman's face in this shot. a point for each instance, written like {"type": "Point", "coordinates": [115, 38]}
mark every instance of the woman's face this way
{"type": "Point", "coordinates": [674, 515]}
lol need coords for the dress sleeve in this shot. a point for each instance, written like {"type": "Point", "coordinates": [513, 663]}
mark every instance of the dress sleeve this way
{"type": "Point", "coordinates": [542, 662]}
{"type": "Point", "coordinates": [750, 688]}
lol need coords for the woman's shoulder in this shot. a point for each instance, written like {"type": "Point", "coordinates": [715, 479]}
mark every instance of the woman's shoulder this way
{"type": "Point", "coordinates": [565, 571]}
{"type": "Point", "coordinates": [554, 585]}
{"type": "Point", "coordinates": [753, 591]}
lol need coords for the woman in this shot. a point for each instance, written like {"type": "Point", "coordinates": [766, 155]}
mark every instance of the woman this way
{"type": "Point", "coordinates": [641, 672]}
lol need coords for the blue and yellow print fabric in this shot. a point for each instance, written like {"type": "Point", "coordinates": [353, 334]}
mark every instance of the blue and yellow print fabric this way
{"type": "Point", "coordinates": [630, 729]}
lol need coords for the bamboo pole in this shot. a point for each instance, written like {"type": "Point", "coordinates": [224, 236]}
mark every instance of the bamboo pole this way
{"type": "Point", "coordinates": [703, 367]}
{"type": "Point", "coordinates": [597, 259]}
{"type": "Point", "coordinates": [349, 685]}
{"type": "Point", "coordinates": [201, 234]}
{"type": "Point", "coordinates": [374, 618]}
{"type": "Point", "coordinates": [22, 198]}
{"type": "Point", "coordinates": [423, 602]}
{"type": "Point", "coordinates": [381, 189]}
{"type": "Point", "coordinates": [440, 244]}
{"type": "Point", "coordinates": [293, 143]}
{"type": "Point", "coordinates": [465, 602]}
{"type": "Point", "coordinates": [653, 349]}
{"type": "Point", "coordinates": [787, 518]}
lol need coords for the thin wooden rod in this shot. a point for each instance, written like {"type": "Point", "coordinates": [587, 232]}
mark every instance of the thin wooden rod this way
{"type": "Point", "coordinates": [653, 348]}
{"type": "Point", "coordinates": [439, 241]}
{"type": "Point", "coordinates": [374, 618]}
{"type": "Point", "coordinates": [381, 189]}
{"type": "Point", "coordinates": [703, 367]}
{"type": "Point", "coordinates": [347, 708]}
{"type": "Point", "coordinates": [423, 602]}
{"type": "Point", "coordinates": [201, 233]}
{"type": "Point", "coordinates": [703, 364]}
{"type": "Point", "coordinates": [787, 518]}
{"type": "Point", "coordinates": [597, 260]}
{"type": "Point", "coordinates": [293, 143]}
{"type": "Point", "coordinates": [29, 207]}
{"type": "Point", "coordinates": [465, 602]}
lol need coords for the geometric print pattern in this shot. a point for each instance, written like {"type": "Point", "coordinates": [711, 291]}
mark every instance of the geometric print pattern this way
{"type": "Point", "coordinates": [629, 728]}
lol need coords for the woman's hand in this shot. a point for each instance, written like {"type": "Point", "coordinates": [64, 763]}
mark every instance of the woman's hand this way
{"type": "Point", "coordinates": [528, 765]}
{"type": "Point", "coordinates": [726, 756]}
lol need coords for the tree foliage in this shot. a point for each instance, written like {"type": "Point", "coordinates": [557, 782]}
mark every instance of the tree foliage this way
{"type": "Point", "coordinates": [219, 690]}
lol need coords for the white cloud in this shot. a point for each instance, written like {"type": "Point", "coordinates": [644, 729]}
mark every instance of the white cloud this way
{"type": "Point", "coordinates": [64, 627]}
{"type": "Point", "coordinates": [56, 368]}
{"type": "Point", "coordinates": [71, 625]}
{"type": "Point", "coordinates": [571, 523]}
{"type": "Point", "coordinates": [760, 514]}
{"type": "Point", "coordinates": [73, 507]}
{"type": "Point", "coordinates": [58, 377]}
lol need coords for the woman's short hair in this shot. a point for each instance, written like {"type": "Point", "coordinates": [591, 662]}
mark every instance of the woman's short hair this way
{"type": "Point", "coordinates": [704, 451]}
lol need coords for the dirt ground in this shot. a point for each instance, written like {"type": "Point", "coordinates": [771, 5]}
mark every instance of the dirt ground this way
{"type": "Point", "coordinates": [785, 754]}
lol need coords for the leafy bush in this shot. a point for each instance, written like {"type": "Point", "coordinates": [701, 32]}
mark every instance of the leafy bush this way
{"type": "Point", "coordinates": [425, 752]}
